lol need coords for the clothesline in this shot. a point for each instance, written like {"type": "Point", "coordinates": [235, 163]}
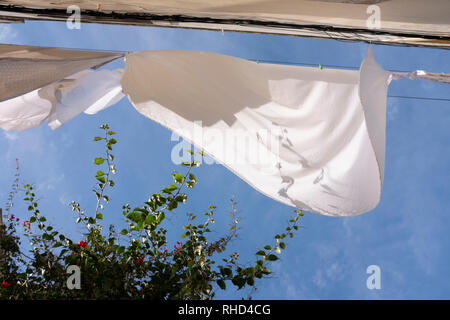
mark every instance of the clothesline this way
{"type": "Point", "coordinates": [398, 74]}
{"type": "Point", "coordinates": [307, 64]}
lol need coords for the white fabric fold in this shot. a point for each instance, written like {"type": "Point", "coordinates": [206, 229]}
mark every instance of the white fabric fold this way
{"type": "Point", "coordinates": [91, 92]}
{"type": "Point", "coordinates": [306, 137]}
{"type": "Point", "coordinates": [27, 68]}
{"type": "Point", "coordinates": [86, 91]}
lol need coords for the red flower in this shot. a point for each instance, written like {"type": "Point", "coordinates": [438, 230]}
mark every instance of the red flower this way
{"type": "Point", "coordinates": [140, 260]}
{"type": "Point", "coordinates": [82, 244]}
{"type": "Point", "coordinates": [178, 248]}
{"type": "Point", "coordinates": [27, 224]}
{"type": "Point", "coordinates": [5, 284]}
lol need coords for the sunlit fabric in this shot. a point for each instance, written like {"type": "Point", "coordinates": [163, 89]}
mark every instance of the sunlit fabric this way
{"type": "Point", "coordinates": [86, 91]}
{"type": "Point", "coordinates": [309, 138]}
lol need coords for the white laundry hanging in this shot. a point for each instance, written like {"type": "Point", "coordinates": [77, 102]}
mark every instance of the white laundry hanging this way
{"type": "Point", "coordinates": [86, 91]}
{"type": "Point", "coordinates": [320, 133]}
{"type": "Point", "coordinates": [307, 137]}
{"type": "Point", "coordinates": [27, 68]}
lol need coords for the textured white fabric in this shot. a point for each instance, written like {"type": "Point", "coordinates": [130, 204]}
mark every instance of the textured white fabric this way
{"type": "Point", "coordinates": [321, 133]}
{"type": "Point", "coordinates": [86, 91]}
{"type": "Point", "coordinates": [310, 138]}
{"type": "Point", "coordinates": [27, 68]}
{"type": "Point", "coordinates": [93, 92]}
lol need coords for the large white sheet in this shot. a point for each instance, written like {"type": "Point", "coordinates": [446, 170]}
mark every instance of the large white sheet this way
{"type": "Point", "coordinates": [309, 138]}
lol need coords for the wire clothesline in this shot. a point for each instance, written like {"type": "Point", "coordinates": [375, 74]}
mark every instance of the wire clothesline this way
{"type": "Point", "coordinates": [399, 73]}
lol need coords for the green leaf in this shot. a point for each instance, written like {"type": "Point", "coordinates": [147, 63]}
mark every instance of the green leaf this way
{"type": "Point", "coordinates": [42, 219]}
{"type": "Point", "coordinates": [272, 257]}
{"type": "Point", "coordinates": [268, 247]}
{"type": "Point", "coordinates": [181, 197]}
{"type": "Point", "coordinates": [124, 231]}
{"type": "Point", "coordinates": [261, 253]}
{"type": "Point", "coordinates": [99, 216]}
{"type": "Point", "coordinates": [266, 271]}
{"type": "Point", "coordinates": [282, 245]}
{"type": "Point", "coordinates": [183, 235]}
{"type": "Point", "coordinates": [192, 177]}
{"type": "Point", "coordinates": [46, 236]}
{"type": "Point", "coordinates": [99, 161]}
{"type": "Point", "coordinates": [170, 189]}
{"type": "Point", "coordinates": [139, 226]}
{"type": "Point", "coordinates": [178, 177]}
{"type": "Point", "coordinates": [160, 218]}
{"type": "Point", "coordinates": [135, 216]}
{"type": "Point", "coordinates": [32, 219]}
{"type": "Point", "coordinates": [239, 282]}
{"type": "Point", "coordinates": [100, 173]}
{"type": "Point", "coordinates": [172, 205]}
{"type": "Point", "coordinates": [101, 179]}
{"type": "Point", "coordinates": [221, 284]}
{"type": "Point", "coordinates": [150, 219]}
{"type": "Point", "coordinates": [98, 138]}
{"type": "Point", "coordinates": [22, 275]}
{"type": "Point", "coordinates": [57, 245]}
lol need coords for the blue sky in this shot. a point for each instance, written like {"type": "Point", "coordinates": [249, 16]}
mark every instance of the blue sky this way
{"type": "Point", "coordinates": [406, 235]}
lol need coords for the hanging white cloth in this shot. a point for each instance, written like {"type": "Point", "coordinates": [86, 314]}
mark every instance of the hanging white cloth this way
{"type": "Point", "coordinates": [27, 68]}
{"type": "Point", "coordinates": [86, 91]}
{"type": "Point", "coordinates": [90, 92]}
{"type": "Point", "coordinates": [306, 137]}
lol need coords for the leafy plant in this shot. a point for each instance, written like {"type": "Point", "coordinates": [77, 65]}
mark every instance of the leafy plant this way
{"type": "Point", "coordinates": [133, 262]}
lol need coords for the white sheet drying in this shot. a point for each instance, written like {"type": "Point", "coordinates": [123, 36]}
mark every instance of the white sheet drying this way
{"type": "Point", "coordinates": [309, 138]}
{"type": "Point", "coordinates": [320, 134]}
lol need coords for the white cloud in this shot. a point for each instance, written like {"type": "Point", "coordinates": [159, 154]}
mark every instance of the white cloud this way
{"type": "Point", "coordinates": [6, 33]}
{"type": "Point", "coordinates": [10, 136]}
